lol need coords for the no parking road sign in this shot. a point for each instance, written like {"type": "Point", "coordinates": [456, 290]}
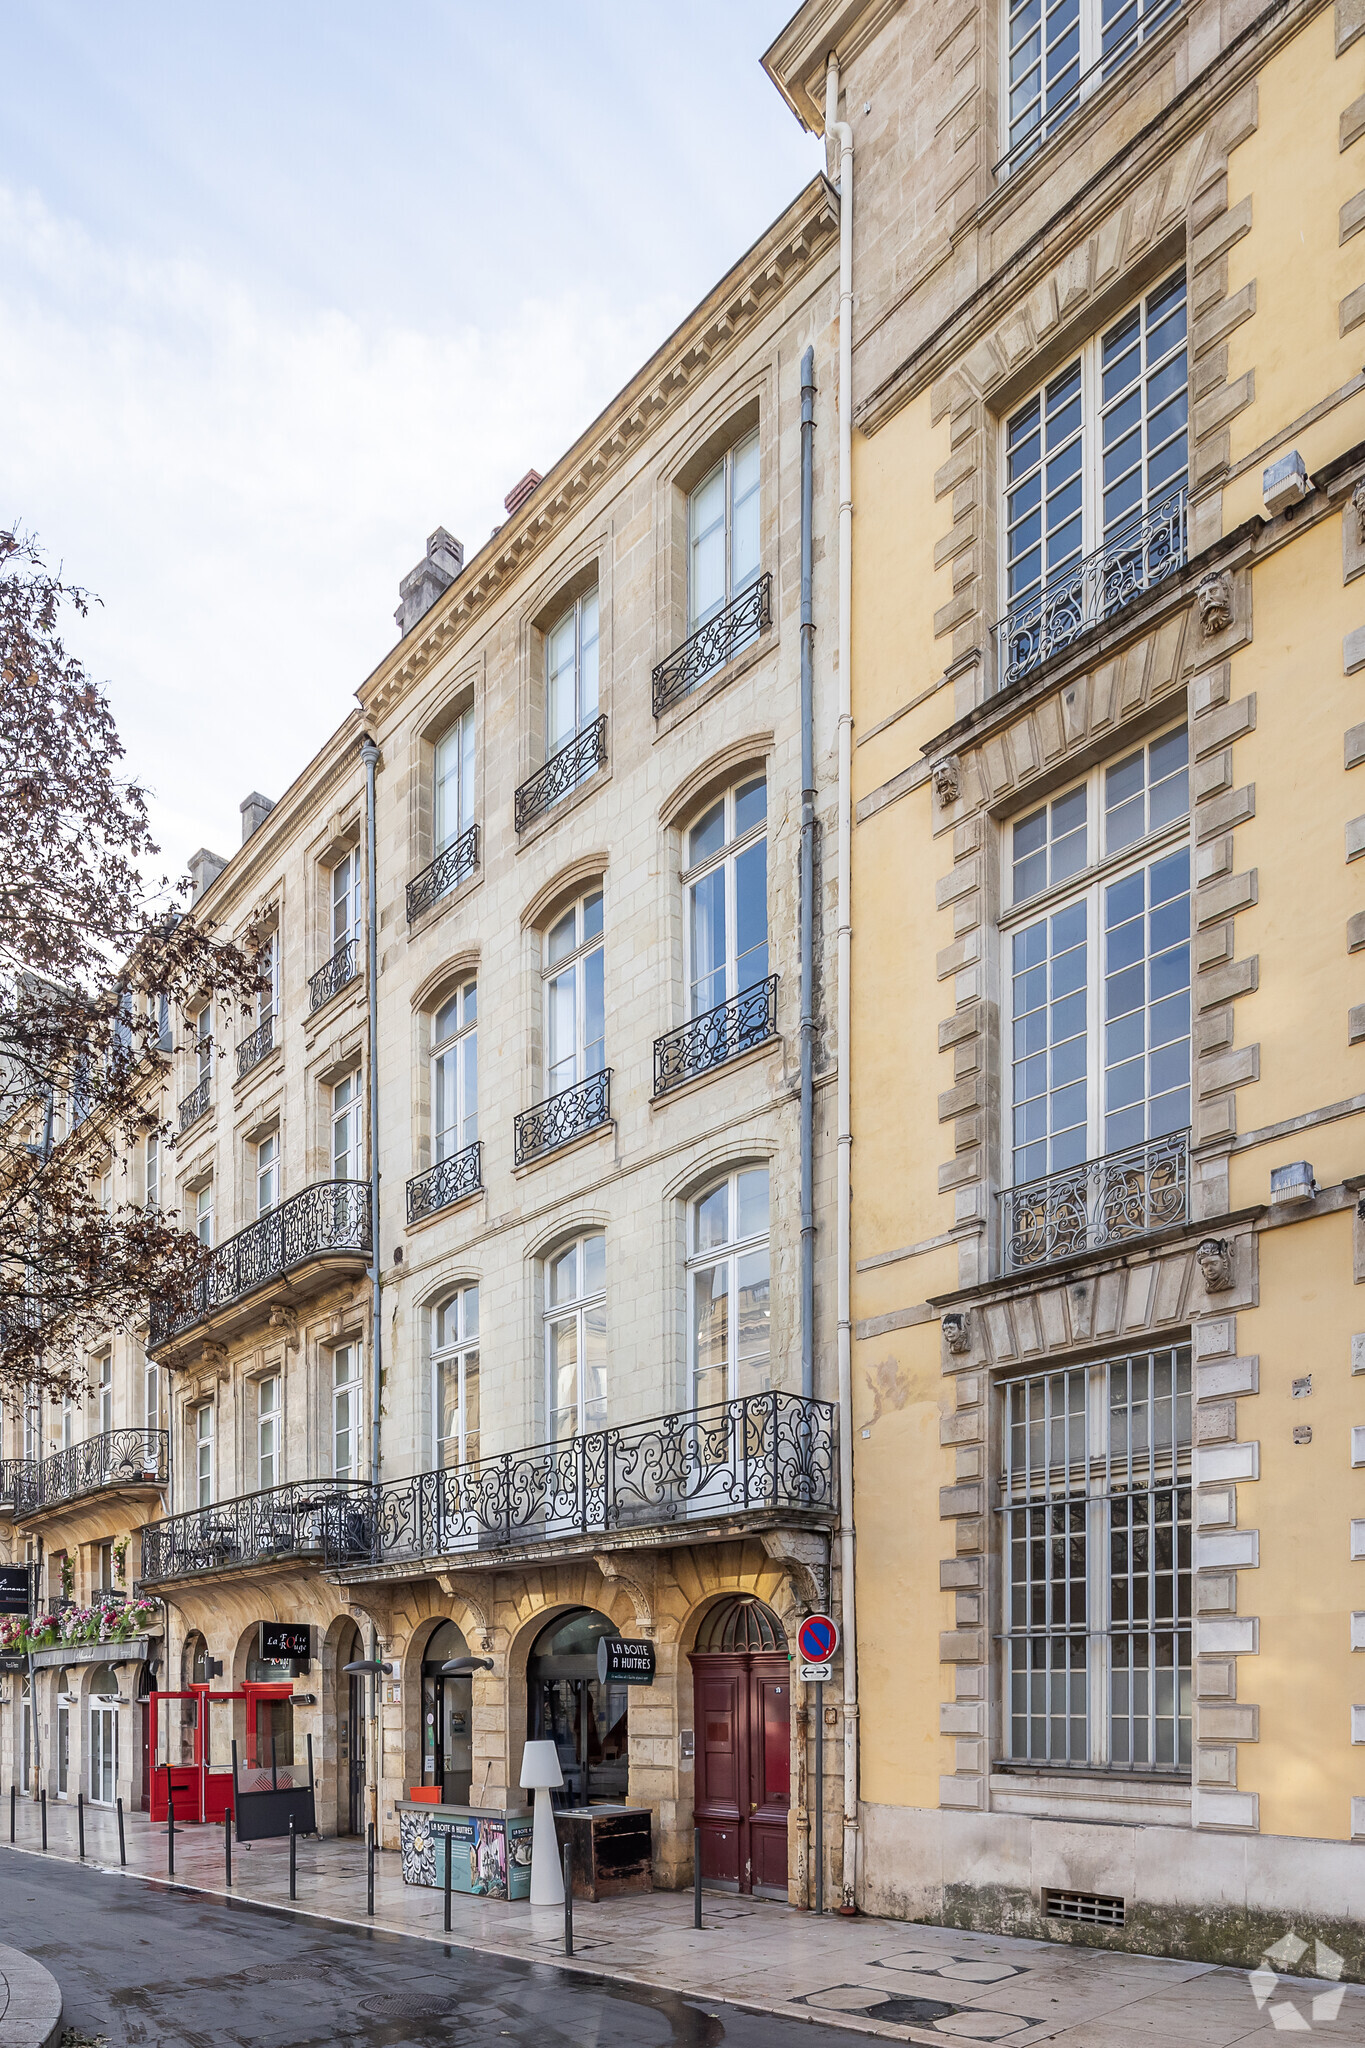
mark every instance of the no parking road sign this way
{"type": "Point", "coordinates": [817, 1640]}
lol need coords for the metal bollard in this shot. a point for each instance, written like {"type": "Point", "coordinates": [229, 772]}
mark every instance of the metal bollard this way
{"type": "Point", "coordinates": [568, 1898]}
{"type": "Point", "coordinates": [449, 1860]}
{"type": "Point", "coordinates": [13, 1809]}
{"type": "Point", "coordinates": [122, 1846]}
{"type": "Point", "coordinates": [80, 1825]}
{"type": "Point", "coordinates": [42, 1801]}
{"type": "Point", "coordinates": [369, 1875]}
{"type": "Point", "coordinates": [696, 1877]}
{"type": "Point", "coordinates": [227, 1843]}
{"type": "Point", "coordinates": [170, 1828]}
{"type": "Point", "coordinates": [293, 1860]}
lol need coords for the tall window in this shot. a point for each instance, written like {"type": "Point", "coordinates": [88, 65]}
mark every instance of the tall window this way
{"type": "Point", "coordinates": [203, 1043]}
{"type": "Point", "coordinates": [267, 1431]}
{"type": "Point", "coordinates": [151, 1393]}
{"type": "Point", "coordinates": [1104, 443]}
{"type": "Point", "coordinates": [576, 1337]}
{"type": "Point", "coordinates": [722, 533]}
{"type": "Point", "coordinates": [346, 899]}
{"type": "Point", "coordinates": [152, 1180]}
{"type": "Point", "coordinates": [68, 1422]}
{"type": "Point", "coordinates": [575, 1016]}
{"type": "Point", "coordinates": [455, 1073]}
{"type": "Point", "coordinates": [203, 1213]}
{"type": "Point", "coordinates": [1096, 1494]}
{"type": "Point", "coordinates": [33, 1422]}
{"type": "Point", "coordinates": [1100, 980]}
{"type": "Point", "coordinates": [107, 1190]}
{"type": "Point", "coordinates": [728, 1289]}
{"type": "Point", "coordinates": [347, 1136]}
{"type": "Point", "coordinates": [203, 1455]}
{"type": "Point", "coordinates": [455, 1378]}
{"type": "Point", "coordinates": [267, 1173]}
{"type": "Point", "coordinates": [104, 1393]}
{"type": "Point", "coordinates": [268, 966]}
{"type": "Point", "coordinates": [1060, 51]}
{"type": "Point", "coordinates": [727, 897]}
{"type": "Point", "coordinates": [454, 781]}
{"type": "Point", "coordinates": [571, 673]}
{"type": "Point", "coordinates": [346, 1413]}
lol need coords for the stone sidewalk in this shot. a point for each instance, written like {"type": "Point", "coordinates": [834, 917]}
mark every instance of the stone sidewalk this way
{"type": "Point", "coordinates": [898, 1981]}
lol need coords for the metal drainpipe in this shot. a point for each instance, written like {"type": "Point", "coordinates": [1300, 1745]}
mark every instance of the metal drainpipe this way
{"type": "Point", "coordinates": [840, 132]}
{"type": "Point", "coordinates": [807, 884]}
{"type": "Point", "coordinates": [369, 754]}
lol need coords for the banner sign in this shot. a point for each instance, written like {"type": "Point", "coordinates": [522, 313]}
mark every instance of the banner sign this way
{"type": "Point", "coordinates": [14, 1589]}
{"type": "Point", "coordinates": [285, 1642]}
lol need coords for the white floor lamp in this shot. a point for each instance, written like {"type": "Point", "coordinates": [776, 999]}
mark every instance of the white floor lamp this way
{"type": "Point", "coordinates": [539, 1773]}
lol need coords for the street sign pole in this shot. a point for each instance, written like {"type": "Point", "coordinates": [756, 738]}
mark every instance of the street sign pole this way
{"type": "Point", "coordinates": [819, 1795]}
{"type": "Point", "coordinates": [817, 1639]}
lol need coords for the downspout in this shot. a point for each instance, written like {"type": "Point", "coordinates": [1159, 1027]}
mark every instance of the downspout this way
{"type": "Point", "coordinates": [807, 883]}
{"type": "Point", "coordinates": [840, 132]}
{"type": "Point", "coordinates": [369, 754]}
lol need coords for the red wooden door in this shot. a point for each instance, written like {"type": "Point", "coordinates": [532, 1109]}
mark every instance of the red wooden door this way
{"type": "Point", "coordinates": [743, 1768]}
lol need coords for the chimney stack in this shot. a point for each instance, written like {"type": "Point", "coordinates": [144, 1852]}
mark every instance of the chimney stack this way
{"type": "Point", "coordinates": [255, 810]}
{"type": "Point", "coordinates": [421, 587]}
{"type": "Point", "coordinates": [519, 493]}
{"type": "Point", "coordinates": [205, 868]}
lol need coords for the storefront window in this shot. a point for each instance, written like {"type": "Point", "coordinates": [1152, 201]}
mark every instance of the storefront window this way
{"type": "Point", "coordinates": [568, 1705]}
{"type": "Point", "coordinates": [447, 1718]}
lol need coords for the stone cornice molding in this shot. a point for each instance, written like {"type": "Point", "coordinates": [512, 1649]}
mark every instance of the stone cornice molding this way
{"type": "Point", "coordinates": [795, 60]}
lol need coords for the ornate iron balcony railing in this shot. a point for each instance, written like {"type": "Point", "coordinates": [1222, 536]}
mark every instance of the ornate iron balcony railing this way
{"type": "Point", "coordinates": [13, 1478]}
{"type": "Point", "coordinates": [333, 1216]}
{"type": "Point", "coordinates": [1102, 1202]}
{"type": "Point", "coordinates": [449, 1180]}
{"type": "Point", "coordinates": [1093, 589]}
{"type": "Point", "coordinates": [254, 1048]}
{"type": "Point", "coordinates": [712, 645]}
{"type": "Point", "coordinates": [333, 975]}
{"type": "Point", "coordinates": [563, 1117]}
{"type": "Point", "coordinates": [450, 866]}
{"type": "Point", "coordinates": [195, 1104]}
{"type": "Point", "coordinates": [573, 764]}
{"type": "Point", "coordinates": [763, 1453]}
{"type": "Point", "coordinates": [321, 1518]}
{"type": "Point", "coordinates": [716, 1036]}
{"type": "Point", "coordinates": [119, 1457]}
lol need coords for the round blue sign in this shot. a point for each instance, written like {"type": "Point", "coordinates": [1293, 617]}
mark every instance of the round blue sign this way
{"type": "Point", "coordinates": [818, 1639]}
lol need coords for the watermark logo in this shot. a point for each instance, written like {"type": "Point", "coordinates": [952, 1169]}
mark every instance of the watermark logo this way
{"type": "Point", "coordinates": [1287, 2015]}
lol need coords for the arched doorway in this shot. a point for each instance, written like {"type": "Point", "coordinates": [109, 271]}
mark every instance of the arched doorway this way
{"type": "Point", "coordinates": [194, 1661]}
{"type": "Point", "coordinates": [741, 1685]}
{"type": "Point", "coordinates": [102, 1742]}
{"type": "Point", "coordinates": [447, 1718]}
{"type": "Point", "coordinates": [274, 1717]}
{"type": "Point", "coordinates": [567, 1704]}
{"type": "Point", "coordinates": [350, 1709]}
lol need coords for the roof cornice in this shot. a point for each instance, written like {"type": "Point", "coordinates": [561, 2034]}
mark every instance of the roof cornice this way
{"type": "Point", "coordinates": [797, 57]}
{"type": "Point", "coordinates": [807, 229]}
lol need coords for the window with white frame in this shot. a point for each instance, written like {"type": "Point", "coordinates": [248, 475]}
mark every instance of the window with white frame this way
{"type": "Point", "coordinates": [1059, 52]}
{"type": "Point", "coordinates": [104, 1393]}
{"type": "Point", "coordinates": [729, 1311]}
{"type": "Point", "coordinates": [1095, 1495]}
{"type": "Point", "coordinates": [151, 1393]}
{"type": "Point", "coordinates": [347, 1132]}
{"type": "Point", "coordinates": [268, 1431]}
{"type": "Point", "coordinates": [346, 1412]}
{"type": "Point", "coordinates": [203, 1213]}
{"type": "Point", "coordinates": [346, 900]}
{"type": "Point", "coordinates": [1099, 976]}
{"type": "Point", "coordinates": [455, 1073]}
{"type": "Point", "coordinates": [152, 1171]}
{"type": "Point", "coordinates": [1100, 449]}
{"type": "Point", "coordinates": [726, 881]}
{"type": "Point", "coordinates": [203, 1455]}
{"type": "Point", "coordinates": [576, 1337]}
{"type": "Point", "coordinates": [453, 792]}
{"type": "Point", "coordinates": [203, 1043]}
{"type": "Point", "coordinates": [571, 673]}
{"type": "Point", "coordinates": [107, 1190]}
{"type": "Point", "coordinates": [68, 1425]}
{"type": "Point", "coordinates": [575, 1004]}
{"type": "Point", "coordinates": [33, 1422]}
{"type": "Point", "coordinates": [268, 967]}
{"type": "Point", "coordinates": [723, 533]}
{"type": "Point", "coordinates": [455, 1377]}
{"type": "Point", "coordinates": [268, 1174]}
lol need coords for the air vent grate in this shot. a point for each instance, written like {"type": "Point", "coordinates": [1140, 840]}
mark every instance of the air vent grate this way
{"type": "Point", "coordinates": [1090, 1909]}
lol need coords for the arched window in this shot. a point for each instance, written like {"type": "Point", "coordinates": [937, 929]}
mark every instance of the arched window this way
{"type": "Point", "coordinates": [454, 1073]}
{"type": "Point", "coordinates": [728, 1306]}
{"type": "Point", "coordinates": [726, 879]}
{"type": "Point", "coordinates": [453, 794]}
{"type": "Point", "coordinates": [455, 1377]}
{"type": "Point", "coordinates": [575, 1013]}
{"type": "Point", "coordinates": [576, 1337]}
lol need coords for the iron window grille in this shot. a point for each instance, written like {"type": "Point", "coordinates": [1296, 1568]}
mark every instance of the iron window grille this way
{"type": "Point", "coordinates": [716, 1036]}
{"type": "Point", "coordinates": [574, 763]}
{"type": "Point", "coordinates": [195, 1104]}
{"type": "Point", "coordinates": [329, 1519]}
{"type": "Point", "coordinates": [449, 1180]}
{"type": "Point", "coordinates": [563, 1117]}
{"type": "Point", "coordinates": [708, 650]}
{"type": "Point", "coordinates": [450, 867]}
{"type": "Point", "coordinates": [333, 975]}
{"type": "Point", "coordinates": [255, 1047]}
{"type": "Point", "coordinates": [331, 1217]}
{"type": "Point", "coordinates": [117, 1457]}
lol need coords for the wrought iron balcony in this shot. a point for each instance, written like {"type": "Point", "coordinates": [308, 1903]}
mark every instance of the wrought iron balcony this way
{"type": "Point", "coordinates": [449, 1180]}
{"type": "Point", "coordinates": [1092, 590]}
{"type": "Point", "coordinates": [712, 645]}
{"type": "Point", "coordinates": [1102, 1202]}
{"type": "Point", "coordinates": [716, 1036]}
{"type": "Point", "coordinates": [254, 1048]}
{"type": "Point", "coordinates": [195, 1104]}
{"type": "Point", "coordinates": [573, 764]}
{"type": "Point", "coordinates": [450, 866]}
{"type": "Point", "coordinates": [333, 975]}
{"type": "Point", "coordinates": [120, 1457]}
{"type": "Point", "coordinates": [332, 1519]}
{"type": "Point", "coordinates": [562, 1118]}
{"type": "Point", "coordinates": [332, 1218]}
{"type": "Point", "coordinates": [768, 1453]}
{"type": "Point", "coordinates": [13, 1478]}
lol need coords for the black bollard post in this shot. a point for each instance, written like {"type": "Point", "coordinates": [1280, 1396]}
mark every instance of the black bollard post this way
{"type": "Point", "coordinates": [369, 1873]}
{"type": "Point", "coordinates": [568, 1898]}
{"type": "Point", "coordinates": [696, 1877]}
{"type": "Point", "coordinates": [170, 1827]}
{"type": "Point", "coordinates": [293, 1860]}
{"type": "Point", "coordinates": [450, 1858]}
{"type": "Point", "coordinates": [227, 1843]}
{"type": "Point", "coordinates": [13, 1808]}
{"type": "Point", "coordinates": [122, 1846]}
{"type": "Point", "coordinates": [80, 1825]}
{"type": "Point", "coordinates": [42, 1801]}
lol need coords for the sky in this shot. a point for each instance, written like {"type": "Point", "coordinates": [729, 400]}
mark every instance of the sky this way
{"type": "Point", "coordinates": [285, 286]}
